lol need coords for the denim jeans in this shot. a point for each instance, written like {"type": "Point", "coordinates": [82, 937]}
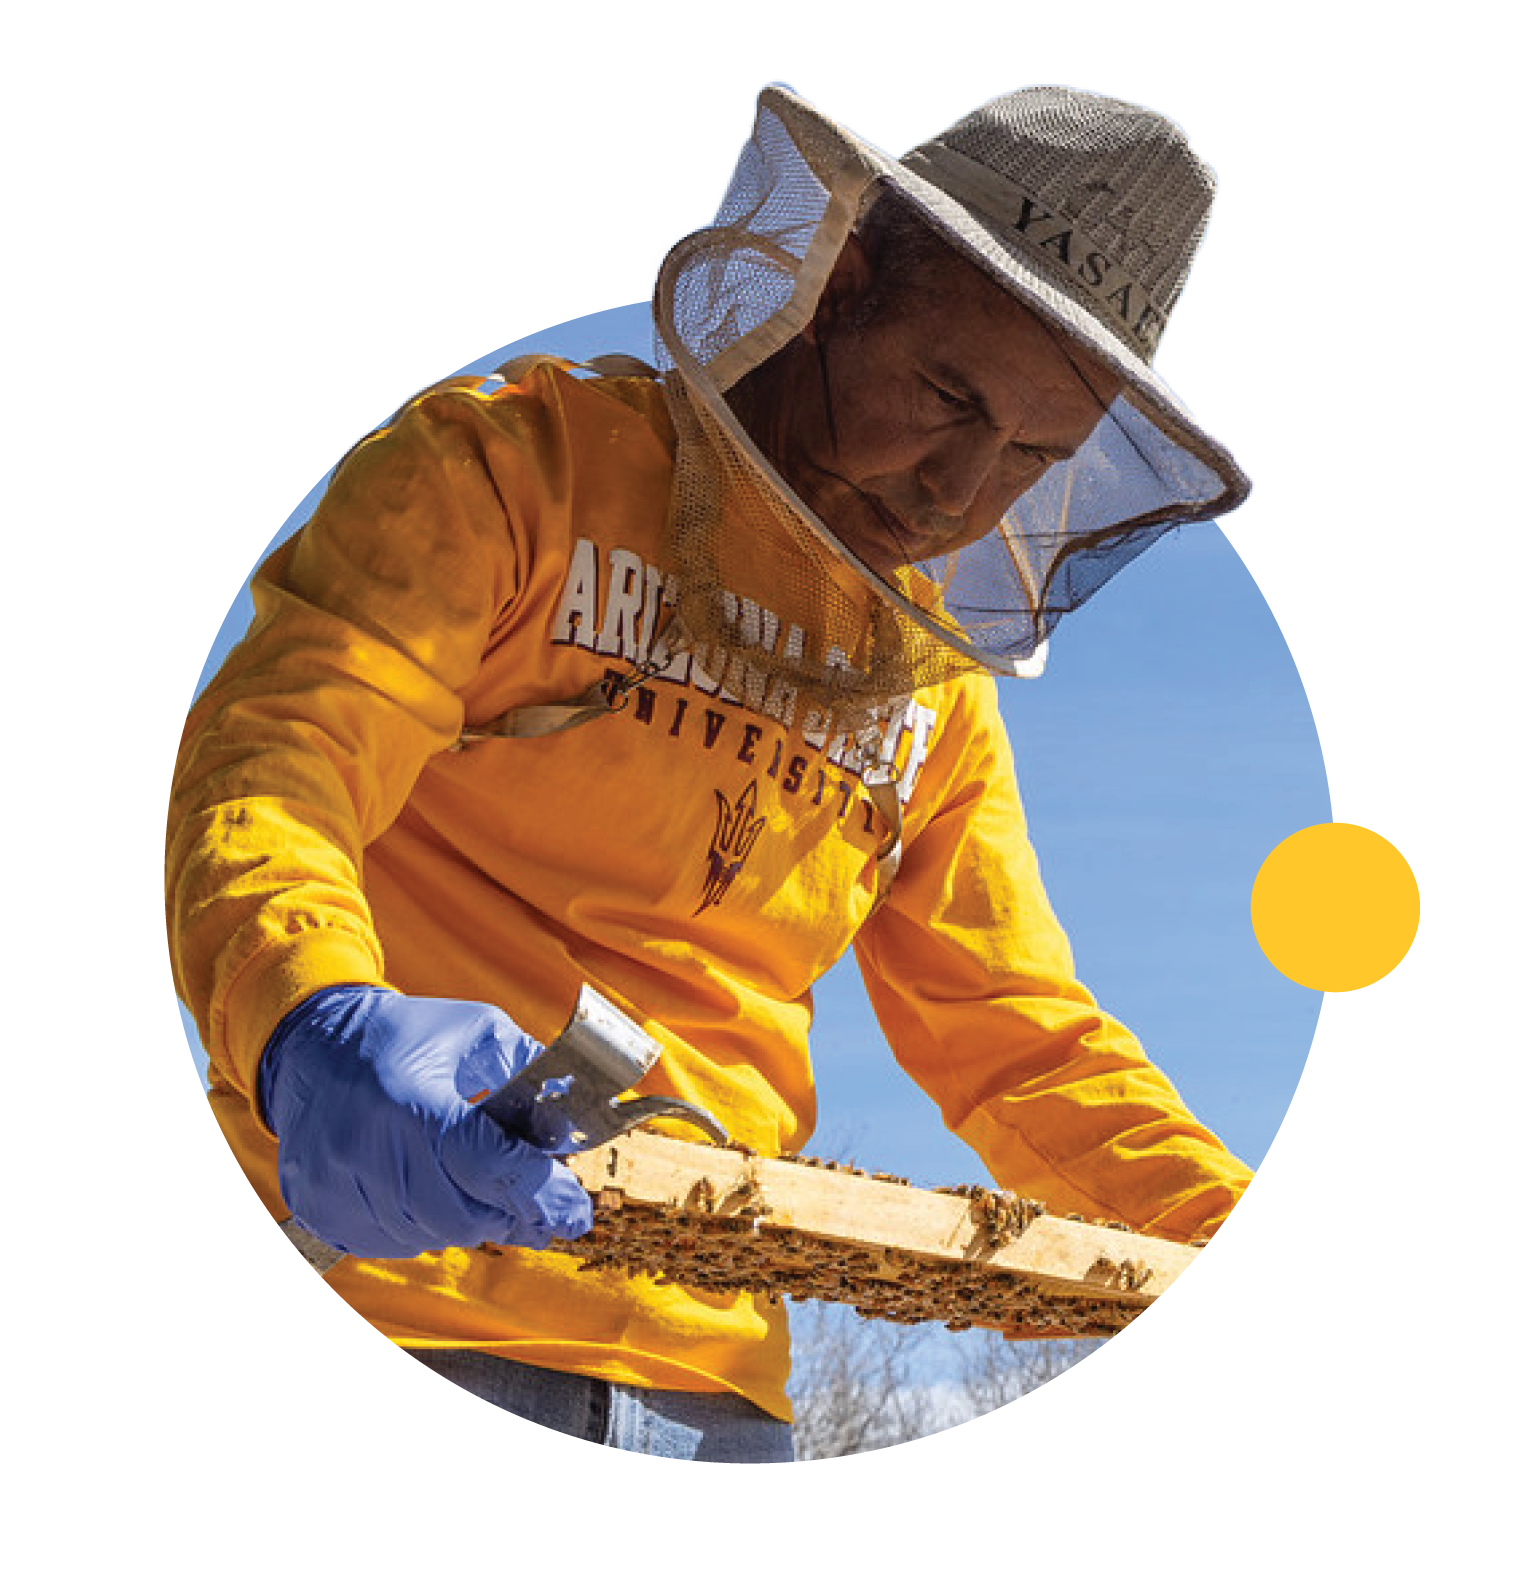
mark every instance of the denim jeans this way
{"type": "Point", "coordinates": [710, 1427]}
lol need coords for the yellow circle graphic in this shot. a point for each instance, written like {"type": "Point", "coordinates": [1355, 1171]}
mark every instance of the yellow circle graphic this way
{"type": "Point", "coordinates": [1335, 907]}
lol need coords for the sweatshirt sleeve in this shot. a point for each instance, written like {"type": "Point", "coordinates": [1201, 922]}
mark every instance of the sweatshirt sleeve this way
{"type": "Point", "coordinates": [973, 982]}
{"type": "Point", "coordinates": [304, 747]}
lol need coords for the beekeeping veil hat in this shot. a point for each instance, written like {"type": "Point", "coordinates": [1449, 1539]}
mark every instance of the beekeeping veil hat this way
{"type": "Point", "coordinates": [1085, 209]}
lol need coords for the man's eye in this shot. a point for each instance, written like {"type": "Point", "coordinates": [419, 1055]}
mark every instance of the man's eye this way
{"type": "Point", "coordinates": [953, 402]}
{"type": "Point", "coordinates": [1029, 461]}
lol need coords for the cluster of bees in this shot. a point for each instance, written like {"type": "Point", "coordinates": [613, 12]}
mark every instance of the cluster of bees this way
{"type": "Point", "coordinates": [727, 1246]}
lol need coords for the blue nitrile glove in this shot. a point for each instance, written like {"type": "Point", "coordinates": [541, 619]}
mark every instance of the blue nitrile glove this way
{"type": "Point", "coordinates": [380, 1153]}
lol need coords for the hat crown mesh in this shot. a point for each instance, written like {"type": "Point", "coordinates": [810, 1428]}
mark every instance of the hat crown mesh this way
{"type": "Point", "coordinates": [1125, 176]}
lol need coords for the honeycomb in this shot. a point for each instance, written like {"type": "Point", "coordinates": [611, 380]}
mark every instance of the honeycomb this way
{"type": "Point", "coordinates": [724, 1237]}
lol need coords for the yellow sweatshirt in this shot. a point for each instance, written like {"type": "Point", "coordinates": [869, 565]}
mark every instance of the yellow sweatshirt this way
{"type": "Point", "coordinates": [699, 860]}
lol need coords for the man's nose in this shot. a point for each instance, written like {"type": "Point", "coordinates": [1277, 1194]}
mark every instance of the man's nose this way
{"type": "Point", "coordinates": [954, 474]}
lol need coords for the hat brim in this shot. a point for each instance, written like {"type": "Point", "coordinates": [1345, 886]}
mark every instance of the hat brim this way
{"type": "Point", "coordinates": [1020, 271]}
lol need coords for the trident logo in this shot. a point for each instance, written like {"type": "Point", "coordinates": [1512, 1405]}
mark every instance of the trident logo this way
{"type": "Point", "coordinates": [736, 831]}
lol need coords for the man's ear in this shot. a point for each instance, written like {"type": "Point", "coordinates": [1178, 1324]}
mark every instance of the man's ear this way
{"type": "Point", "coordinates": [851, 275]}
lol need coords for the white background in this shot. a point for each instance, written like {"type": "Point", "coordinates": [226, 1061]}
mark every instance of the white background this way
{"type": "Point", "coordinates": [238, 238]}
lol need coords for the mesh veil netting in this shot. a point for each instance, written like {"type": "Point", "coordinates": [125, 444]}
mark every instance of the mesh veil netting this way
{"type": "Point", "coordinates": [806, 631]}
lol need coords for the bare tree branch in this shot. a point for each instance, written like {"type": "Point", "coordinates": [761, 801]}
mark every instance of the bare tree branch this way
{"type": "Point", "coordinates": [860, 1385]}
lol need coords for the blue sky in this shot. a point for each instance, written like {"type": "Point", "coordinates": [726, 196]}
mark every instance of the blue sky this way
{"type": "Point", "coordinates": [1168, 747]}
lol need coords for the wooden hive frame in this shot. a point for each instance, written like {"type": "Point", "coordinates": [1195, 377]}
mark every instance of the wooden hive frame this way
{"type": "Point", "coordinates": [723, 1219]}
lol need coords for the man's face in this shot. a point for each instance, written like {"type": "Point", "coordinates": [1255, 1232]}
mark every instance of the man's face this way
{"type": "Point", "coordinates": [927, 408]}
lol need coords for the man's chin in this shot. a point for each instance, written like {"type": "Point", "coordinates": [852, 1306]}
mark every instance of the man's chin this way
{"type": "Point", "coordinates": [867, 527]}
{"type": "Point", "coordinates": [885, 549]}
{"type": "Point", "coordinates": [884, 559]}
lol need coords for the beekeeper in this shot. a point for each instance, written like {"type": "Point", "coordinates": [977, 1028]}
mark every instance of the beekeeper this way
{"type": "Point", "coordinates": [680, 682]}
